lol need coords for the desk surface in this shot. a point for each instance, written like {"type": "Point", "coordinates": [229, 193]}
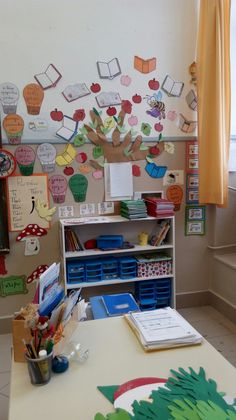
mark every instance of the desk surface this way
{"type": "Point", "coordinates": [115, 357]}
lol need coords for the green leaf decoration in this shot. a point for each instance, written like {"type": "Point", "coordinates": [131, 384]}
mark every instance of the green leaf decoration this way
{"type": "Point", "coordinates": [127, 151]}
{"type": "Point", "coordinates": [93, 124]}
{"type": "Point", "coordinates": [104, 130]}
{"type": "Point", "coordinates": [83, 130]}
{"type": "Point", "coordinates": [211, 411]}
{"type": "Point", "coordinates": [143, 147]}
{"type": "Point", "coordinates": [79, 140]}
{"type": "Point", "coordinates": [119, 414]}
{"type": "Point", "coordinates": [160, 137]}
{"type": "Point", "coordinates": [133, 132]}
{"type": "Point", "coordinates": [121, 129]}
{"type": "Point", "coordinates": [96, 112]}
{"type": "Point", "coordinates": [149, 158]}
{"type": "Point", "coordinates": [184, 410]}
{"type": "Point", "coordinates": [99, 416]}
{"type": "Point", "coordinates": [117, 120]}
{"type": "Point", "coordinates": [97, 152]}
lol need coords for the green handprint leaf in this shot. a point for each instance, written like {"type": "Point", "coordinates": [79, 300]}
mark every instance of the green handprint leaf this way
{"type": "Point", "coordinates": [119, 414]}
{"type": "Point", "coordinates": [121, 129]}
{"type": "Point", "coordinates": [83, 130]}
{"type": "Point", "coordinates": [79, 140]}
{"type": "Point", "coordinates": [211, 411]}
{"type": "Point", "coordinates": [184, 410]}
{"type": "Point", "coordinates": [97, 152]}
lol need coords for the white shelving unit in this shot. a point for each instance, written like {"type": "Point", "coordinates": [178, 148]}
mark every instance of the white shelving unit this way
{"type": "Point", "coordinates": [92, 227]}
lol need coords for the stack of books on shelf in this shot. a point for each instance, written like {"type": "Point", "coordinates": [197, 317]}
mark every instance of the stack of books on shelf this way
{"type": "Point", "coordinates": [72, 242]}
{"type": "Point", "coordinates": [133, 209]}
{"type": "Point", "coordinates": [162, 328]}
{"type": "Point", "coordinates": [159, 206]}
{"type": "Point", "coordinates": [159, 235]}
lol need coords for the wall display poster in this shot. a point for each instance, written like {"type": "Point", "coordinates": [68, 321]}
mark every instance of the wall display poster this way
{"type": "Point", "coordinates": [195, 220]}
{"type": "Point", "coordinates": [23, 194]}
{"type": "Point", "coordinates": [13, 285]}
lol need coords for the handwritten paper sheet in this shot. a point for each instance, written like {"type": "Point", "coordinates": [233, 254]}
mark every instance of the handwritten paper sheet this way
{"type": "Point", "coordinates": [23, 192]}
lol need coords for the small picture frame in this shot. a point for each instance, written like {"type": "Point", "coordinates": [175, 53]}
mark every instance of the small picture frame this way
{"type": "Point", "coordinates": [195, 213]}
{"type": "Point", "coordinates": [192, 165]}
{"type": "Point", "coordinates": [192, 148]}
{"type": "Point", "coordinates": [192, 196]}
{"type": "Point", "coordinates": [195, 227]}
{"type": "Point", "coordinates": [192, 181]}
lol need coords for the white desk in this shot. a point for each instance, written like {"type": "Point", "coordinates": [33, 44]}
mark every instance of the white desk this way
{"type": "Point", "coordinates": [115, 357]}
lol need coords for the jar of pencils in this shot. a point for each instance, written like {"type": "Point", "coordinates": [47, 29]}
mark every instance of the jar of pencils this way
{"type": "Point", "coordinates": [40, 368]}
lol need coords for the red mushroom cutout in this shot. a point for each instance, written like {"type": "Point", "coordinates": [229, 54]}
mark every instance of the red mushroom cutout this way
{"type": "Point", "coordinates": [30, 235]}
{"type": "Point", "coordinates": [36, 273]}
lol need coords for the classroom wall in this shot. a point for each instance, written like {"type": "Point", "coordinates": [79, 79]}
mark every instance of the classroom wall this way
{"type": "Point", "coordinates": [152, 28]}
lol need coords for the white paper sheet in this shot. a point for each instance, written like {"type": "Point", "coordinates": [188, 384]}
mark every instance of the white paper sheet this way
{"type": "Point", "coordinates": [121, 179]}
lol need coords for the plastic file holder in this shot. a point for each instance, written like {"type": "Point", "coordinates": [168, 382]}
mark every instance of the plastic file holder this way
{"type": "Point", "coordinates": [93, 270]}
{"type": "Point", "coordinates": [128, 267]}
{"type": "Point", "coordinates": [153, 294]}
{"type": "Point", "coordinates": [75, 272]}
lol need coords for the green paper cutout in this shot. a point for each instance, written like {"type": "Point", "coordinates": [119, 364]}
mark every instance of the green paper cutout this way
{"type": "Point", "coordinates": [108, 391]}
{"type": "Point", "coordinates": [160, 137]}
{"type": "Point", "coordinates": [93, 124]}
{"type": "Point", "coordinates": [96, 112]}
{"type": "Point", "coordinates": [83, 130]}
{"type": "Point", "coordinates": [121, 129]}
{"type": "Point", "coordinates": [133, 132]}
{"type": "Point", "coordinates": [79, 140]}
{"type": "Point", "coordinates": [78, 185]}
{"type": "Point", "coordinates": [186, 396]}
{"type": "Point", "coordinates": [13, 285]}
{"type": "Point", "coordinates": [105, 130]}
{"type": "Point", "coordinates": [149, 158]}
{"type": "Point", "coordinates": [97, 152]}
{"type": "Point", "coordinates": [146, 129]}
{"type": "Point", "coordinates": [143, 147]}
{"type": "Point", "coordinates": [119, 414]}
{"type": "Point", "coordinates": [127, 151]}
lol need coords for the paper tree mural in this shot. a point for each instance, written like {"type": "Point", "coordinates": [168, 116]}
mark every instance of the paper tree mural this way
{"type": "Point", "coordinates": [117, 150]}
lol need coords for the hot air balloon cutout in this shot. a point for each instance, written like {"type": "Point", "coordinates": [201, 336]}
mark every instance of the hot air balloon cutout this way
{"type": "Point", "coordinates": [186, 395]}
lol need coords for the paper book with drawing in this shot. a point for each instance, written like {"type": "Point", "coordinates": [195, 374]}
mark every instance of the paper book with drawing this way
{"type": "Point", "coordinates": [110, 69]}
{"type": "Point", "coordinates": [162, 328]}
{"type": "Point", "coordinates": [105, 99]}
{"type": "Point", "coordinates": [187, 126]}
{"type": "Point", "coordinates": [49, 78]}
{"type": "Point", "coordinates": [191, 99]}
{"type": "Point", "coordinates": [68, 128]}
{"type": "Point", "coordinates": [76, 91]}
{"type": "Point", "coordinates": [172, 87]}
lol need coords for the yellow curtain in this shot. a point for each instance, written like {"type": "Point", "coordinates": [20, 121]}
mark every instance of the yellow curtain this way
{"type": "Point", "coordinates": [214, 100]}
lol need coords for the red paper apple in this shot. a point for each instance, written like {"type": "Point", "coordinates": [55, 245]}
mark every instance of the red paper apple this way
{"type": "Point", "coordinates": [125, 80]}
{"type": "Point", "coordinates": [56, 115]}
{"type": "Point", "coordinates": [79, 115]}
{"type": "Point", "coordinates": [136, 98]}
{"type": "Point", "coordinates": [111, 111]}
{"type": "Point", "coordinates": [136, 171]}
{"type": "Point", "coordinates": [68, 170]}
{"type": "Point", "coordinates": [158, 127]}
{"type": "Point", "coordinates": [154, 150]}
{"type": "Point", "coordinates": [126, 106]}
{"type": "Point", "coordinates": [153, 84]}
{"type": "Point", "coordinates": [95, 87]}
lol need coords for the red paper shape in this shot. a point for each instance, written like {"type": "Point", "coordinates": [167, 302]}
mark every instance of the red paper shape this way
{"type": "Point", "coordinates": [56, 115]}
{"type": "Point", "coordinates": [95, 87]}
{"type": "Point", "coordinates": [136, 171]}
{"type": "Point", "coordinates": [3, 269]}
{"type": "Point", "coordinates": [36, 273]}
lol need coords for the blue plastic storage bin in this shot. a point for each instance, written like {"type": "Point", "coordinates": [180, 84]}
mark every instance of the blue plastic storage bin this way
{"type": "Point", "coordinates": [75, 272]}
{"type": "Point", "coordinates": [128, 267]}
{"type": "Point", "coordinates": [93, 270]}
{"type": "Point", "coordinates": [110, 241]}
{"type": "Point", "coordinates": [153, 294]}
{"type": "Point", "coordinates": [110, 268]}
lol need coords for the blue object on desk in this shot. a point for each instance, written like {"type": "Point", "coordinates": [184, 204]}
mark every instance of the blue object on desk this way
{"type": "Point", "coordinates": [119, 304]}
{"type": "Point", "coordinates": [60, 364]}
{"type": "Point", "coordinates": [47, 307]}
{"type": "Point", "coordinates": [110, 241]}
{"type": "Point", "coordinates": [98, 308]}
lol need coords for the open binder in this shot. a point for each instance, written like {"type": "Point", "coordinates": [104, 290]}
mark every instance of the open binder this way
{"type": "Point", "coordinates": [162, 329]}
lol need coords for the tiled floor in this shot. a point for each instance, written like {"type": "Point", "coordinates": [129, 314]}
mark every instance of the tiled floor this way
{"type": "Point", "coordinates": [217, 329]}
